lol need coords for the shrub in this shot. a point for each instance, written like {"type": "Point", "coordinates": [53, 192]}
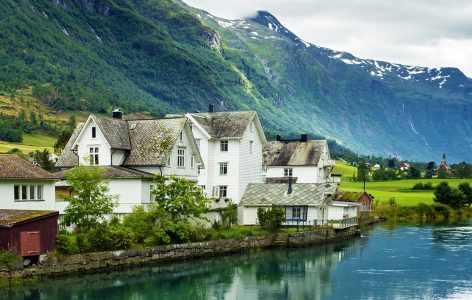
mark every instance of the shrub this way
{"type": "Point", "coordinates": [66, 244]}
{"type": "Point", "coordinates": [423, 186]}
{"type": "Point", "coordinates": [272, 218]}
{"type": "Point", "coordinates": [8, 258]}
{"type": "Point", "coordinates": [105, 238]}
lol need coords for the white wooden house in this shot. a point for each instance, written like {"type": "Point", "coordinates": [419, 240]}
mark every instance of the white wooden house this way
{"type": "Point", "coordinates": [306, 161]}
{"type": "Point", "coordinates": [305, 203]}
{"type": "Point", "coordinates": [230, 144]}
{"type": "Point", "coordinates": [25, 186]}
{"type": "Point", "coordinates": [342, 214]}
{"type": "Point", "coordinates": [132, 152]}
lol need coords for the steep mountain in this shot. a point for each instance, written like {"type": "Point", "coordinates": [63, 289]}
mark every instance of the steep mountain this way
{"type": "Point", "coordinates": [164, 56]}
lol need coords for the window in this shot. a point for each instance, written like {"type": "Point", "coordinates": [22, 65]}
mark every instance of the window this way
{"type": "Point", "coordinates": [296, 212]}
{"type": "Point", "coordinates": [151, 196]}
{"type": "Point", "coordinates": [223, 168]}
{"type": "Point", "coordinates": [17, 192]}
{"type": "Point", "coordinates": [224, 146]}
{"type": "Point", "coordinates": [181, 158]}
{"type": "Point", "coordinates": [93, 155]}
{"type": "Point", "coordinates": [181, 136]}
{"type": "Point", "coordinates": [250, 146]}
{"type": "Point", "coordinates": [197, 141]}
{"type": "Point", "coordinates": [192, 161]}
{"type": "Point", "coordinates": [264, 169]}
{"type": "Point", "coordinates": [94, 132]}
{"type": "Point", "coordinates": [28, 192]}
{"type": "Point", "coordinates": [32, 188]}
{"type": "Point", "coordinates": [288, 172]}
{"type": "Point", "coordinates": [222, 191]}
{"type": "Point", "coordinates": [251, 126]}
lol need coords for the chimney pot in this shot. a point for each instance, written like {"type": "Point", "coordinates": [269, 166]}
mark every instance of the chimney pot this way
{"type": "Point", "coordinates": [304, 137]}
{"type": "Point", "coordinates": [211, 108]}
{"type": "Point", "coordinates": [289, 192]}
{"type": "Point", "coordinates": [279, 138]}
{"type": "Point", "coordinates": [117, 114]}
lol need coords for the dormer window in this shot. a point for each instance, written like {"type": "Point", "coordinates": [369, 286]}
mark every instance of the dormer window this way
{"type": "Point", "coordinates": [94, 132]}
{"type": "Point", "coordinates": [224, 145]}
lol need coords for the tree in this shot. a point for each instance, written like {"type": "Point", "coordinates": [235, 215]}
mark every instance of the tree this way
{"type": "Point", "coordinates": [72, 123]}
{"type": "Point", "coordinates": [362, 171]}
{"type": "Point", "coordinates": [42, 159]}
{"type": "Point", "coordinates": [414, 172]}
{"type": "Point", "coordinates": [444, 194]}
{"type": "Point", "coordinates": [90, 201]}
{"type": "Point", "coordinates": [272, 218]}
{"type": "Point", "coordinates": [462, 170]}
{"type": "Point", "coordinates": [431, 166]}
{"type": "Point", "coordinates": [467, 191]}
{"type": "Point", "coordinates": [179, 197]}
{"type": "Point", "coordinates": [62, 141]}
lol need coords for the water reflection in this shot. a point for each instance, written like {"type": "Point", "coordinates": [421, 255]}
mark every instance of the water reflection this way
{"type": "Point", "coordinates": [406, 262]}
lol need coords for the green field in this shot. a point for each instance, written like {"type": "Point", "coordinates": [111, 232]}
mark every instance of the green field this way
{"type": "Point", "coordinates": [345, 170]}
{"type": "Point", "coordinates": [400, 190]}
{"type": "Point", "coordinates": [31, 142]}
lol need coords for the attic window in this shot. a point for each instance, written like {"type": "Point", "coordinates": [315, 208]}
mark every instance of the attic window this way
{"type": "Point", "coordinates": [181, 136]}
{"type": "Point", "coordinates": [224, 145]}
{"type": "Point", "coordinates": [94, 132]}
{"type": "Point", "coordinates": [251, 127]}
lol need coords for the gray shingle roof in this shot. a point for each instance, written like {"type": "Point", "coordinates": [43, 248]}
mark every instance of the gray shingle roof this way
{"type": "Point", "coordinates": [152, 141]}
{"type": "Point", "coordinates": [312, 194]}
{"type": "Point", "coordinates": [110, 172]}
{"type": "Point", "coordinates": [225, 124]}
{"type": "Point", "coordinates": [114, 130]}
{"type": "Point", "coordinates": [293, 153]}
{"type": "Point", "coordinates": [14, 167]}
{"type": "Point", "coordinates": [68, 158]}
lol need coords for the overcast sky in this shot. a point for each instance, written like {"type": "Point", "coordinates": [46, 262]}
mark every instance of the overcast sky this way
{"type": "Point", "coordinates": [432, 33]}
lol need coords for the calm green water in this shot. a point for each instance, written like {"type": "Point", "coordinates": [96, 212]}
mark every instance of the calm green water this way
{"type": "Point", "coordinates": [405, 262]}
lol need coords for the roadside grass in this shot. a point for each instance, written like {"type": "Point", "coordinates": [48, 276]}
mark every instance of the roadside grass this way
{"type": "Point", "coordinates": [383, 191]}
{"type": "Point", "coordinates": [345, 170]}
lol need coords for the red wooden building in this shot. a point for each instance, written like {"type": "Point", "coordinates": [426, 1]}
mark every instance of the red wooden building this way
{"type": "Point", "coordinates": [362, 198]}
{"type": "Point", "coordinates": [28, 233]}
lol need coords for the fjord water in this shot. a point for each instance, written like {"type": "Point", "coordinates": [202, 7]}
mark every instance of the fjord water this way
{"type": "Point", "coordinates": [398, 262]}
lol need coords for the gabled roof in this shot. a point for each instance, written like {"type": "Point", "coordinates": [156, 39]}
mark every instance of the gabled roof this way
{"type": "Point", "coordinates": [153, 140]}
{"type": "Point", "coordinates": [226, 124]}
{"type": "Point", "coordinates": [114, 130]}
{"type": "Point", "coordinates": [312, 194]}
{"type": "Point", "coordinates": [116, 172]}
{"type": "Point", "coordinates": [349, 196]}
{"type": "Point", "coordinates": [14, 167]}
{"type": "Point", "coordinates": [68, 158]}
{"type": "Point", "coordinates": [12, 217]}
{"type": "Point", "coordinates": [293, 153]}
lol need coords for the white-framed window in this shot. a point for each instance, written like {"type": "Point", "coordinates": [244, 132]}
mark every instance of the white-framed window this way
{"type": "Point", "coordinates": [222, 191]}
{"type": "Point", "coordinates": [151, 196]}
{"type": "Point", "coordinates": [181, 136]}
{"type": "Point", "coordinates": [198, 141]}
{"type": "Point", "coordinates": [296, 212]}
{"type": "Point", "coordinates": [251, 143]}
{"type": "Point", "coordinates": [192, 161]}
{"type": "Point", "coordinates": [27, 192]}
{"type": "Point", "coordinates": [223, 168]}
{"type": "Point", "coordinates": [94, 156]}
{"type": "Point", "coordinates": [181, 158]}
{"type": "Point", "coordinates": [94, 132]}
{"type": "Point", "coordinates": [288, 172]}
{"type": "Point", "coordinates": [224, 145]}
{"type": "Point", "coordinates": [251, 126]}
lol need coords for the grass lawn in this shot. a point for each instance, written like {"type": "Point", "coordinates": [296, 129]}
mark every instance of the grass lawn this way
{"type": "Point", "coordinates": [31, 142]}
{"type": "Point", "coordinates": [400, 190]}
{"type": "Point", "coordinates": [344, 169]}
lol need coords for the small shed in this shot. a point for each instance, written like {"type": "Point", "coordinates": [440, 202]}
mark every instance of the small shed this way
{"type": "Point", "coordinates": [361, 197]}
{"type": "Point", "coordinates": [28, 233]}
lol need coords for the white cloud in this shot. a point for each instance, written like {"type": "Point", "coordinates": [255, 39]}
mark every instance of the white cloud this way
{"type": "Point", "coordinates": [433, 33]}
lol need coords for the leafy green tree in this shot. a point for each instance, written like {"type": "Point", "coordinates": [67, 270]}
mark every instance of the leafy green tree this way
{"type": "Point", "coordinates": [444, 194]}
{"type": "Point", "coordinates": [90, 201]}
{"type": "Point", "coordinates": [180, 197]}
{"type": "Point", "coordinates": [272, 218]}
{"type": "Point", "coordinates": [42, 159]}
{"type": "Point", "coordinates": [462, 170]}
{"type": "Point", "coordinates": [467, 192]}
{"type": "Point", "coordinates": [62, 140]}
{"type": "Point", "coordinates": [72, 123]}
{"type": "Point", "coordinates": [33, 120]}
{"type": "Point", "coordinates": [414, 172]}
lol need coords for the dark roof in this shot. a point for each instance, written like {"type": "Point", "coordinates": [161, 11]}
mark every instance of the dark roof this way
{"type": "Point", "coordinates": [349, 196]}
{"type": "Point", "coordinates": [114, 130]}
{"type": "Point", "coordinates": [11, 217]}
{"type": "Point", "coordinates": [293, 153]}
{"type": "Point", "coordinates": [115, 172]}
{"type": "Point", "coordinates": [152, 141]}
{"type": "Point", "coordinates": [68, 158]}
{"type": "Point", "coordinates": [224, 124]}
{"type": "Point", "coordinates": [261, 194]}
{"type": "Point", "coordinates": [14, 167]}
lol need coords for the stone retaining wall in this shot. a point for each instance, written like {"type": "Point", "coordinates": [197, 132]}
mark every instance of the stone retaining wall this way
{"type": "Point", "coordinates": [51, 265]}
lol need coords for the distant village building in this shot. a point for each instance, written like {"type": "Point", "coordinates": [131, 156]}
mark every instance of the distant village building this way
{"type": "Point", "coordinates": [131, 152]}
{"type": "Point", "coordinates": [24, 185]}
{"type": "Point", "coordinates": [404, 166]}
{"type": "Point", "coordinates": [443, 166]}
{"type": "Point", "coordinates": [230, 144]}
{"type": "Point", "coordinates": [308, 161]}
{"type": "Point", "coordinates": [28, 233]}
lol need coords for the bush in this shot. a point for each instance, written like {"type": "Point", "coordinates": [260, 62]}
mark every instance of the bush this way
{"type": "Point", "coordinates": [423, 186]}
{"type": "Point", "coordinates": [105, 238]}
{"type": "Point", "coordinates": [272, 218]}
{"type": "Point", "coordinates": [66, 244]}
{"type": "Point", "coordinates": [8, 258]}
